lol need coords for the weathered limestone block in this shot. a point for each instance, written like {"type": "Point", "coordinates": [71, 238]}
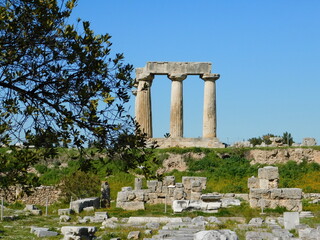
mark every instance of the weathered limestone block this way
{"type": "Point", "coordinates": [122, 197]}
{"type": "Point", "coordinates": [137, 183]}
{"type": "Point", "coordinates": [209, 197]}
{"type": "Point", "coordinates": [291, 220]}
{"type": "Point", "coordinates": [169, 180]}
{"type": "Point", "coordinates": [195, 196]}
{"type": "Point", "coordinates": [268, 172]}
{"type": "Point", "coordinates": [131, 195]}
{"type": "Point", "coordinates": [132, 206]}
{"type": "Point", "coordinates": [78, 205]}
{"type": "Point", "coordinates": [179, 194]}
{"type": "Point", "coordinates": [45, 233]}
{"type": "Point", "coordinates": [74, 232]}
{"type": "Point", "coordinates": [291, 204]}
{"type": "Point", "coordinates": [194, 205]}
{"type": "Point", "coordinates": [179, 185]}
{"type": "Point", "coordinates": [253, 182]}
{"type": "Point", "coordinates": [180, 205]}
{"type": "Point", "coordinates": [164, 189]}
{"type": "Point", "coordinates": [286, 193]}
{"type": "Point", "coordinates": [133, 235]}
{"type": "Point", "coordinates": [152, 185]}
{"type": "Point", "coordinates": [216, 234]}
{"type": "Point", "coordinates": [213, 205]}
{"type": "Point", "coordinates": [64, 218]}
{"type": "Point", "coordinates": [292, 193]}
{"type": "Point", "coordinates": [258, 193]}
{"type": "Point", "coordinates": [65, 211]}
{"type": "Point", "coordinates": [263, 183]}
{"type": "Point", "coordinates": [159, 187]}
{"type": "Point", "coordinates": [226, 202]}
{"type": "Point", "coordinates": [141, 195]}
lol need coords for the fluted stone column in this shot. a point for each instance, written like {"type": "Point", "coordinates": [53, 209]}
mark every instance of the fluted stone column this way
{"type": "Point", "coordinates": [143, 105]}
{"type": "Point", "coordinates": [209, 106]}
{"type": "Point", "coordinates": [176, 109]}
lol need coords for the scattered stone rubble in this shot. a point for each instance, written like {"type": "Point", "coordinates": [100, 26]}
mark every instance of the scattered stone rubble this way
{"type": "Point", "coordinates": [264, 191]}
{"type": "Point", "coordinates": [186, 228]}
{"type": "Point", "coordinates": [182, 196]}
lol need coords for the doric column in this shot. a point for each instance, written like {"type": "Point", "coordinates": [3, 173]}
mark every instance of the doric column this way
{"type": "Point", "coordinates": [143, 104]}
{"type": "Point", "coordinates": [209, 106]}
{"type": "Point", "coordinates": [176, 109]}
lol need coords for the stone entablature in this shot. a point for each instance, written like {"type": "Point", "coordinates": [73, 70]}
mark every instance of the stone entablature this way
{"type": "Point", "coordinates": [264, 191]}
{"type": "Point", "coordinates": [177, 72]}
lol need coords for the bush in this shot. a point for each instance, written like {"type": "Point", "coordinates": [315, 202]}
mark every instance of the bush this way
{"type": "Point", "coordinates": [79, 185]}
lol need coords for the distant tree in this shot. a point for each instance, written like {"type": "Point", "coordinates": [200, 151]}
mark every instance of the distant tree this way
{"type": "Point", "coordinates": [266, 138]}
{"type": "Point", "coordinates": [255, 141]}
{"type": "Point", "coordinates": [58, 82]}
{"type": "Point", "coordinates": [287, 138]}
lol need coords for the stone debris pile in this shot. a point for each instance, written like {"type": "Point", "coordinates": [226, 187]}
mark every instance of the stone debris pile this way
{"type": "Point", "coordinates": [264, 191]}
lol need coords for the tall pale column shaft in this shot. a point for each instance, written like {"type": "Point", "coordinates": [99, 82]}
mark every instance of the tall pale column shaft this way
{"type": "Point", "coordinates": [176, 109]}
{"type": "Point", "coordinates": [209, 106]}
{"type": "Point", "coordinates": [143, 106]}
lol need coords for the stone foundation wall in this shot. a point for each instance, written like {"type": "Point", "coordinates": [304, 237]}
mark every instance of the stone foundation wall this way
{"type": "Point", "coordinates": [264, 191]}
{"type": "Point", "coordinates": [39, 195]}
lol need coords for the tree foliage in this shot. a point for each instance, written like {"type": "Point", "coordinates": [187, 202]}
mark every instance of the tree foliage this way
{"type": "Point", "coordinates": [133, 151]}
{"type": "Point", "coordinates": [59, 83]}
{"type": "Point", "coordinates": [57, 78]}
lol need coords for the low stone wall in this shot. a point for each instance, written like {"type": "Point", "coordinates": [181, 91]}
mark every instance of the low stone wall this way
{"type": "Point", "coordinates": [39, 195]}
{"type": "Point", "coordinates": [264, 191]}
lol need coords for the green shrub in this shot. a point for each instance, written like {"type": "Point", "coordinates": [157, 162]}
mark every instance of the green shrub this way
{"type": "Point", "coordinates": [41, 168]}
{"type": "Point", "coordinates": [79, 185]}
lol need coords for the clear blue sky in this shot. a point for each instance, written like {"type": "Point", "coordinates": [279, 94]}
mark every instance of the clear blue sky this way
{"type": "Point", "coordinates": [267, 53]}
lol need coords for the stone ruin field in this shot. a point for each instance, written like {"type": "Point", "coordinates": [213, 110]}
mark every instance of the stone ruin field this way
{"type": "Point", "coordinates": [170, 209]}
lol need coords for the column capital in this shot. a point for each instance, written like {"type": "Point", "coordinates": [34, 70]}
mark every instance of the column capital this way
{"type": "Point", "coordinates": [210, 76]}
{"type": "Point", "coordinates": [143, 76]}
{"type": "Point", "coordinates": [177, 76]}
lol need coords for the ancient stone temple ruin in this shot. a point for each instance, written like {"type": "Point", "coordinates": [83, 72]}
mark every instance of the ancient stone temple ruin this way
{"type": "Point", "coordinates": [177, 72]}
{"type": "Point", "coordinates": [264, 191]}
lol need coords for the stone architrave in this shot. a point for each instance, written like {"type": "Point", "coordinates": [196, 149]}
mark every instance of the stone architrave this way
{"type": "Point", "coordinates": [176, 110]}
{"type": "Point", "coordinates": [209, 106]}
